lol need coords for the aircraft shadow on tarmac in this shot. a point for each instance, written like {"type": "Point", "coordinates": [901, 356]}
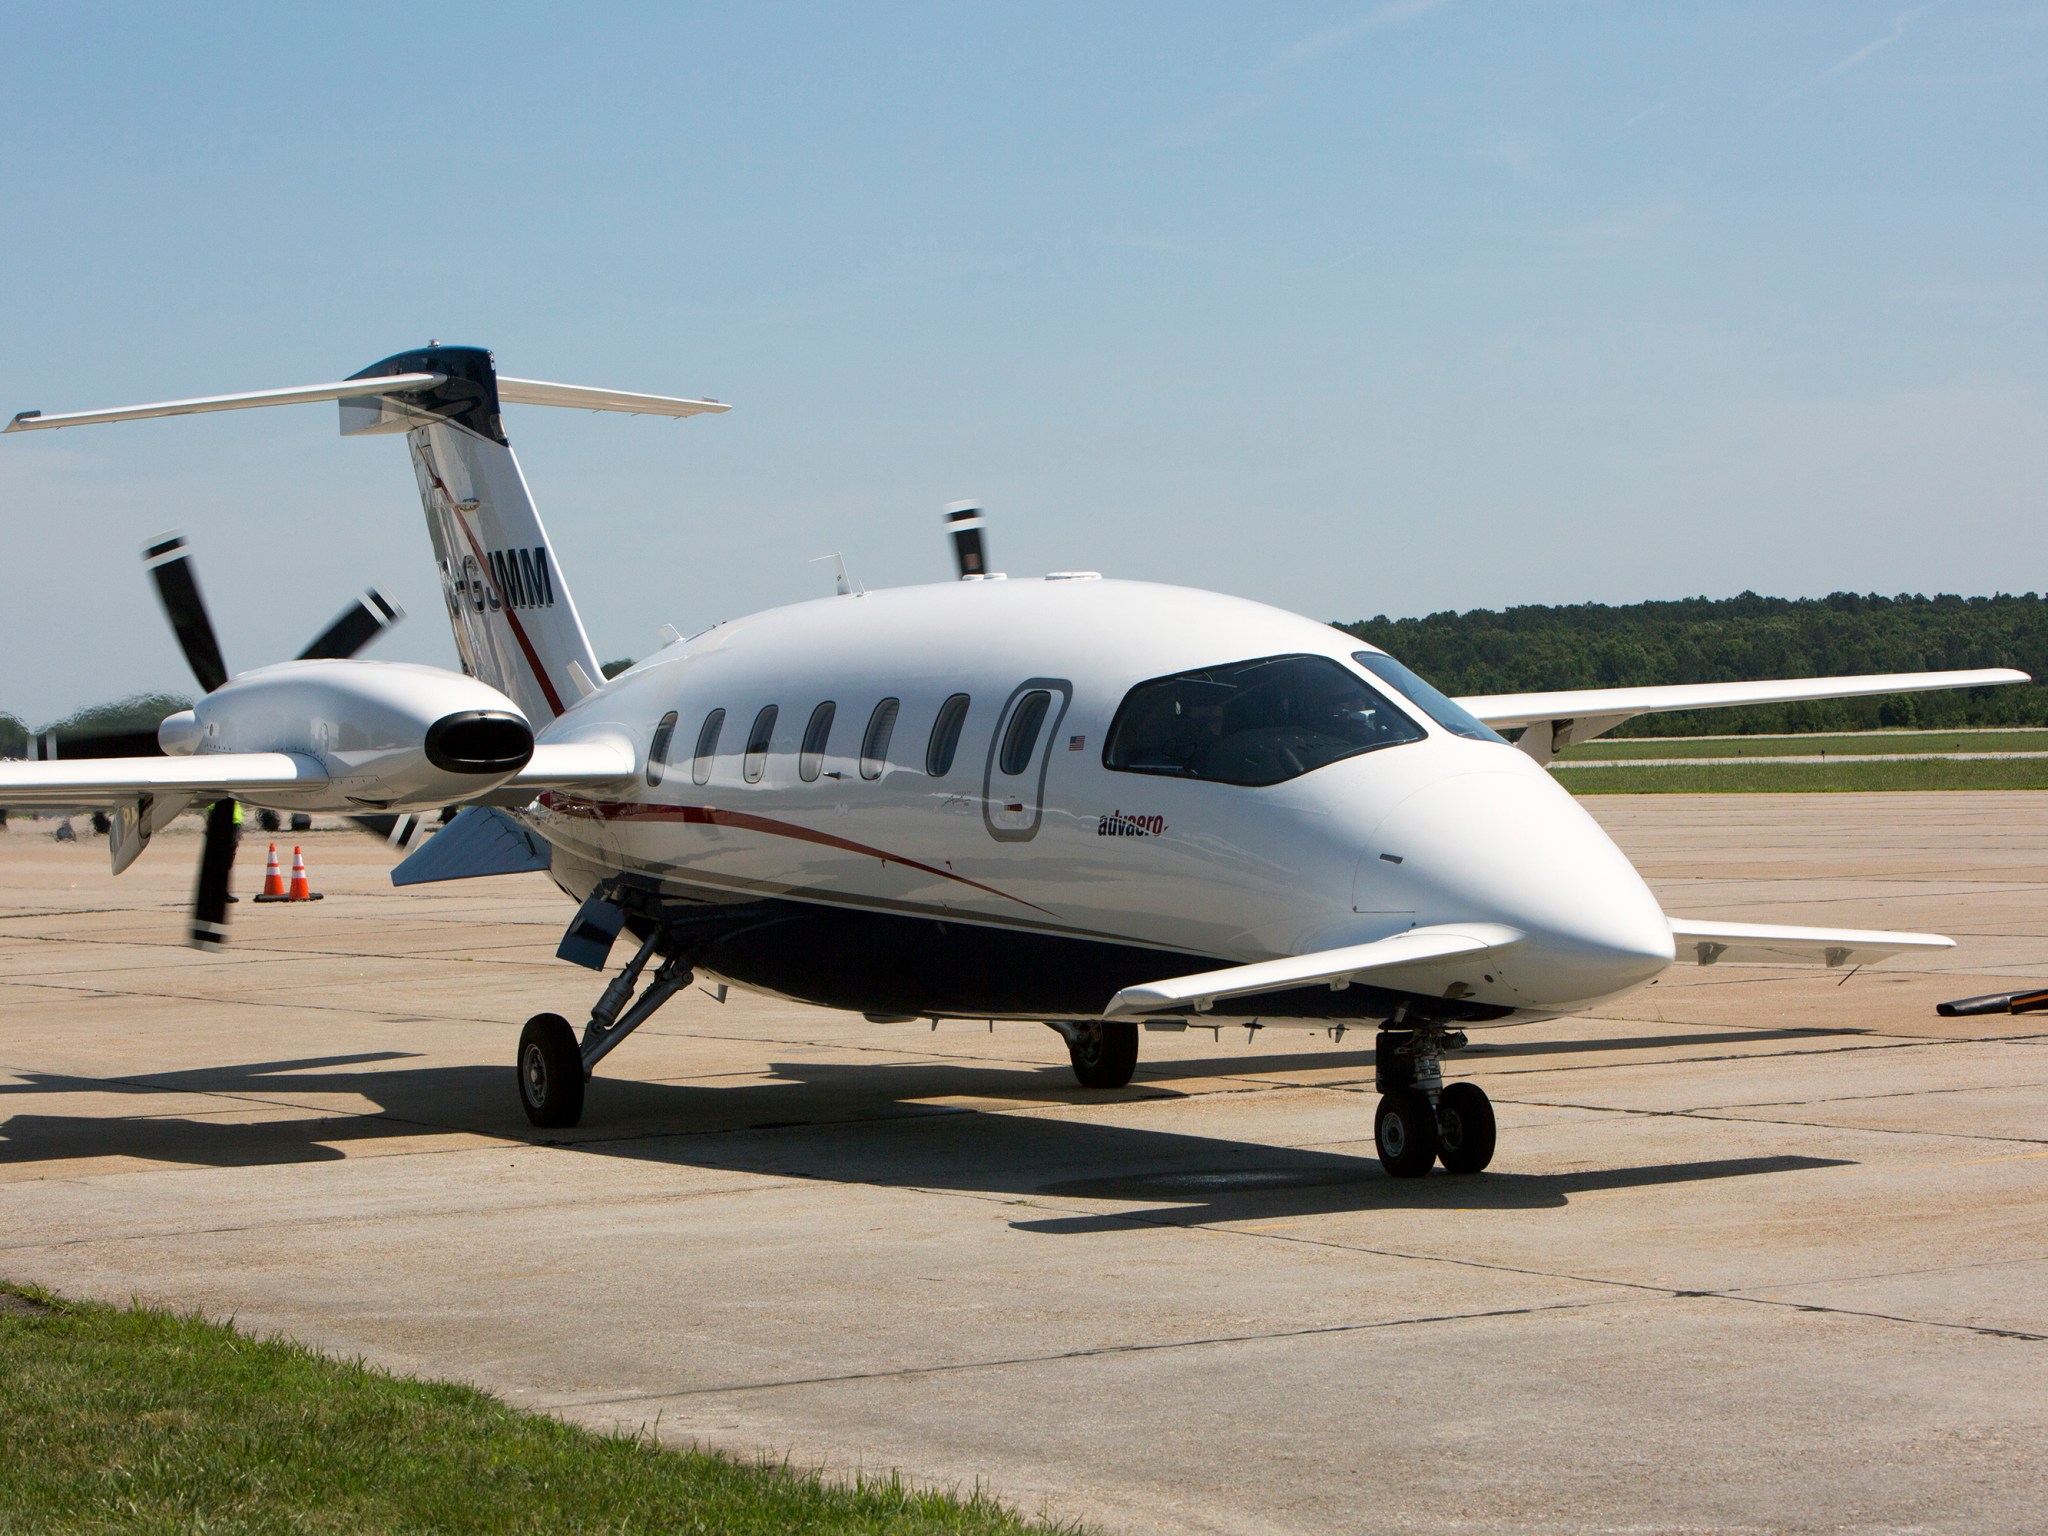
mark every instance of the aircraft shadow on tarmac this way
{"type": "Point", "coordinates": [851, 1123]}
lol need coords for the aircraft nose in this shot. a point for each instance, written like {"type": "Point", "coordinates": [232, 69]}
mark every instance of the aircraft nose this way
{"type": "Point", "coordinates": [1514, 847]}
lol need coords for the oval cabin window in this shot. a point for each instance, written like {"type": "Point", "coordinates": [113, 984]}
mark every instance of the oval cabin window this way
{"type": "Point", "coordinates": [945, 742]}
{"type": "Point", "coordinates": [874, 746]}
{"type": "Point", "coordinates": [756, 761]}
{"type": "Point", "coordinates": [657, 749]}
{"type": "Point", "coordinates": [1026, 721]}
{"type": "Point", "coordinates": [707, 746]}
{"type": "Point", "coordinates": [811, 760]}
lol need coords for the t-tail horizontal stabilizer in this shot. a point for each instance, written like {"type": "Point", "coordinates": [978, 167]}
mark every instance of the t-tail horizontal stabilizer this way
{"type": "Point", "coordinates": [579, 397]}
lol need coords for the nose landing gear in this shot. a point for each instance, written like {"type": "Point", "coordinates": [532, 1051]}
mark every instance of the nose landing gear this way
{"type": "Point", "coordinates": [554, 1065]}
{"type": "Point", "coordinates": [1420, 1121]}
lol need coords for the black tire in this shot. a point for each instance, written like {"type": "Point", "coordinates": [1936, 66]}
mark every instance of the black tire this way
{"type": "Point", "coordinates": [1465, 1129]}
{"type": "Point", "coordinates": [550, 1072]}
{"type": "Point", "coordinates": [1404, 1130]}
{"type": "Point", "coordinates": [1104, 1055]}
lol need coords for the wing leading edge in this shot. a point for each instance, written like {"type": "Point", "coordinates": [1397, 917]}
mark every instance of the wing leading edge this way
{"type": "Point", "coordinates": [108, 782]}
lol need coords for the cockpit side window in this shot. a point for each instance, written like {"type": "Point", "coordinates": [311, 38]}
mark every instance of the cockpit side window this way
{"type": "Point", "coordinates": [1253, 722]}
{"type": "Point", "coordinates": [1444, 710]}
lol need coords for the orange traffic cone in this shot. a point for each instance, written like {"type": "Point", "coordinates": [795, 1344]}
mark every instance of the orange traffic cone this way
{"type": "Point", "coordinates": [302, 889]}
{"type": "Point", "coordinates": [273, 880]}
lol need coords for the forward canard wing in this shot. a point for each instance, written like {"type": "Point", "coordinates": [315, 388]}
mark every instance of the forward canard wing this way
{"type": "Point", "coordinates": [1701, 941]}
{"type": "Point", "coordinates": [1416, 946]}
{"type": "Point", "coordinates": [1567, 717]}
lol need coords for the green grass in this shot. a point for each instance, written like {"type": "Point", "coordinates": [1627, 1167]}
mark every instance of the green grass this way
{"type": "Point", "coordinates": [1627, 748]}
{"type": "Point", "coordinates": [1808, 778]}
{"type": "Point", "coordinates": [132, 1419]}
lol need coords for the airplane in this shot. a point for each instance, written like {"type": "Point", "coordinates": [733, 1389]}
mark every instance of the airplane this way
{"type": "Point", "coordinates": [1070, 800]}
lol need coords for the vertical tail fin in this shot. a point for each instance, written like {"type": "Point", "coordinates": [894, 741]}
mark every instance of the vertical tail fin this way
{"type": "Point", "coordinates": [515, 623]}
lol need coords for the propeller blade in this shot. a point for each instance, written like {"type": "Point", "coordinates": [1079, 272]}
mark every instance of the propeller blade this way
{"type": "Point", "coordinates": [216, 865]}
{"type": "Point", "coordinates": [179, 589]}
{"type": "Point", "coordinates": [398, 831]}
{"type": "Point", "coordinates": [965, 522]}
{"type": "Point", "coordinates": [360, 623]}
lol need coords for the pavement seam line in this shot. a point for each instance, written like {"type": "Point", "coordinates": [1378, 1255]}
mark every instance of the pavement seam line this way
{"type": "Point", "coordinates": [1811, 1125]}
{"type": "Point", "coordinates": [1089, 1353]}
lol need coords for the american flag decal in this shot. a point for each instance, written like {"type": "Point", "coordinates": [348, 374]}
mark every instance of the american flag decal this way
{"type": "Point", "coordinates": [1076, 743]}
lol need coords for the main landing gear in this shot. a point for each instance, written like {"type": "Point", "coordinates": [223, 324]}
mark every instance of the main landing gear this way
{"type": "Point", "coordinates": [554, 1064]}
{"type": "Point", "coordinates": [1420, 1121]}
{"type": "Point", "coordinates": [1104, 1052]}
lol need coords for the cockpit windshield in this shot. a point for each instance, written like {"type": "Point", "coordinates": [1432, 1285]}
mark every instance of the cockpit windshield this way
{"type": "Point", "coordinates": [1253, 722]}
{"type": "Point", "coordinates": [1444, 710]}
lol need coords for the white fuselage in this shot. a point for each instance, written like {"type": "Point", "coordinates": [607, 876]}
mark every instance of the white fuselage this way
{"type": "Point", "coordinates": [1436, 830]}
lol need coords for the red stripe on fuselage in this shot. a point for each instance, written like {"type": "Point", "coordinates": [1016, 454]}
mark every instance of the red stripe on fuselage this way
{"type": "Point", "coordinates": [747, 821]}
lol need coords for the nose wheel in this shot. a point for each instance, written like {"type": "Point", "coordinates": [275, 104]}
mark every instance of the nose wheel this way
{"type": "Point", "coordinates": [1421, 1120]}
{"type": "Point", "coordinates": [1405, 1132]}
{"type": "Point", "coordinates": [1464, 1128]}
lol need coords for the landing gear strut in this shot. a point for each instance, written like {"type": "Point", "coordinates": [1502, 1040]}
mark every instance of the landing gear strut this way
{"type": "Point", "coordinates": [1421, 1121]}
{"type": "Point", "coordinates": [554, 1065]}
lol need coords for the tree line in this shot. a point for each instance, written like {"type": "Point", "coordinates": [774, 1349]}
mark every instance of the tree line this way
{"type": "Point", "coordinates": [1703, 640]}
{"type": "Point", "coordinates": [137, 712]}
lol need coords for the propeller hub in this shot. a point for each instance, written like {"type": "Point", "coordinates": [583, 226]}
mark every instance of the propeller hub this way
{"type": "Point", "coordinates": [180, 734]}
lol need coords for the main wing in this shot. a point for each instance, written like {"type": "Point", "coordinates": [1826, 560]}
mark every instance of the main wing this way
{"type": "Point", "coordinates": [108, 782]}
{"type": "Point", "coordinates": [105, 782]}
{"type": "Point", "coordinates": [1563, 718]}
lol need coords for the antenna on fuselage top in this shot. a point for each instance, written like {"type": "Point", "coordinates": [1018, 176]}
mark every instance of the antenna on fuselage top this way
{"type": "Point", "coordinates": [848, 587]}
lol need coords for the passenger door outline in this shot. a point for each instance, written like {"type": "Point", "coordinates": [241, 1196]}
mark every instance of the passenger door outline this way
{"type": "Point", "coordinates": [1013, 805]}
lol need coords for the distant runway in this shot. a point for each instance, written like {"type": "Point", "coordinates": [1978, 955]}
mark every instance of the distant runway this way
{"type": "Point", "coordinates": [1817, 757]}
{"type": "Point", "coordinates": [1760, 1252]}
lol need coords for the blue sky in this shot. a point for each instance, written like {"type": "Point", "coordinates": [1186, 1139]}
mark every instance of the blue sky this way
{"type": "Point", "coordinates": [1352, 309]}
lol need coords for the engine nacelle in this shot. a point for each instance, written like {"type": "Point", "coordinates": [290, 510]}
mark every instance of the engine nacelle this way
{"type": "Point", "coordinates": [391, 735]}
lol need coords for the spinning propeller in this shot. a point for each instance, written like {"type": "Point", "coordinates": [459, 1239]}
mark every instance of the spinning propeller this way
{"type": "Point", "coordinates": [178, 586]}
